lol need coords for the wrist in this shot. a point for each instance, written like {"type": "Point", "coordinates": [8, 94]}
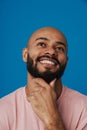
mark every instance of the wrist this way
{"type": "Point", "coordinates": [55, 123]}
{"type": "Point", "coordinates": [54, 127]}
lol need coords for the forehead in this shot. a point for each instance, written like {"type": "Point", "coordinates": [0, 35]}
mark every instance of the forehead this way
{"type": "Point", "coordinates": [49, 33]}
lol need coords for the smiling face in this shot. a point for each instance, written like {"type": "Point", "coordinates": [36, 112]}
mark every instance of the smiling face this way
{"type": "Point", "coordinates": [47, 54]}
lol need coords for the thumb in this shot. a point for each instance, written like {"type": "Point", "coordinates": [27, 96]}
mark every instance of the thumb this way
{"type": "Point", "coordinates": [52, 83]}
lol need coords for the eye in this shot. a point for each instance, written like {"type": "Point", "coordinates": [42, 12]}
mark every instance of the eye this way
{"type": "Point", "coordinates": [60, 49]}
{"type": "Point", "coordinates": [42, 44]}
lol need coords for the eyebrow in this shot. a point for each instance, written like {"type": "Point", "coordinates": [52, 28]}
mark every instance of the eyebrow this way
{"type": "Point", "coordinates": [42, 38]}
{"type": "Point", "coordinates": [46, 39]}
{"type": "Point", "coordinates": [62, 43]}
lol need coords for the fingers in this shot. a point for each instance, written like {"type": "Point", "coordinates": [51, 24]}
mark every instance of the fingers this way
{"type": "Point", "coordinates": [41, 82]}
{"type": "Point", "coordinates": [39, 86]}
{"type": "Point", "coordinates": [38, 82]}
{"type": "Point", "coordinates": [34, 86]}
{"type": "Point", "coordinates": [35, 96]}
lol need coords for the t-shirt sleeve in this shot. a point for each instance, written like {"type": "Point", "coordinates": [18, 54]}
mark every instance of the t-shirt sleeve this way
{"type": "Point", "coordinates": [4, 119]}
{"type": "Point", "coordinates": [82, 123]}
{"type": "Point", "coordinates": [3, 122]}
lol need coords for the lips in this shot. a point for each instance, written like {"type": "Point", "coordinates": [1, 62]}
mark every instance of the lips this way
{"type": "Point", "coordinates": [48, 61]}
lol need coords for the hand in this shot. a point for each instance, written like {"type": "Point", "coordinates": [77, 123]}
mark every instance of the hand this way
{"type": "Point", "coordinates": [42, 97]}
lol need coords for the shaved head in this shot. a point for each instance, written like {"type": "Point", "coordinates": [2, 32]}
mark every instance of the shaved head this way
{"type": "Point", "coordinates": [45, 32]}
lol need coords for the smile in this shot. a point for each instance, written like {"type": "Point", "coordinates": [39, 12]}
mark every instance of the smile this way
{"type": "Point", "coordinates": [47, 62]}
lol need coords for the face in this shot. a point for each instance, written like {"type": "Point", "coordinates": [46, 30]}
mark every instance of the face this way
{"type": "Point", "coordinates": [47, 54]}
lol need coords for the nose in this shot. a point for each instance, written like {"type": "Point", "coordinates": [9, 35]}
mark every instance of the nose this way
{"type": "Point", "coordinates": [51, 51]}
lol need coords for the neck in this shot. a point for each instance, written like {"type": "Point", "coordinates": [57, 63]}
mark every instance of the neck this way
{"type": "Point", "coordinates": [58, 87]}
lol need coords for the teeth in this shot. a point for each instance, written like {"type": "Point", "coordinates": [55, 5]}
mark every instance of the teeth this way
{"type": "Point", "coordinates": [47, 62]}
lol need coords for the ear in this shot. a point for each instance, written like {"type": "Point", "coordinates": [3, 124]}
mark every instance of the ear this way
{"type": "Point", "coordinates": [24, 54]}
{"type": "Point", "coordinates": [67, 59]}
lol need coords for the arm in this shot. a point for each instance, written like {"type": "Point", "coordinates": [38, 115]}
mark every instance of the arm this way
{"type": "Point", "coordinates": [57, 124]}
{"type": "Point", "coordinates": [43, 100]}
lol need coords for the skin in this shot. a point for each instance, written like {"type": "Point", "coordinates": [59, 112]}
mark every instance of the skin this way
{"type": "Point", "coordinates": [40, 94]}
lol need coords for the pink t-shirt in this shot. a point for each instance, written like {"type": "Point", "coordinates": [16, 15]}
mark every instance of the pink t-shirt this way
{"type": "Point", "coordinates": [16, 112]}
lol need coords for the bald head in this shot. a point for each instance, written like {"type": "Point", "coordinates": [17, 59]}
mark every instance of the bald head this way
{"type": "Point", "coordinates": [47, 32]}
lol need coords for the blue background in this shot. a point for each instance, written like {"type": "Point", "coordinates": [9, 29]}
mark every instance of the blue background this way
{"type": "Point", "coordinates": [18, 19]}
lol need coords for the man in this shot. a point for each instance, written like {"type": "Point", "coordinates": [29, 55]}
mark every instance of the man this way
{"type": "Point", "coordinates": [44, 103]}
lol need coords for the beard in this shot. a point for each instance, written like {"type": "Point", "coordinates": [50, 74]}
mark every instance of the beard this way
{"type": "Point", "coordinates": [48, 75]}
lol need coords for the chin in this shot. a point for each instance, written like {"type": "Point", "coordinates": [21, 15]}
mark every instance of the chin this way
{"type": "Point", "coordinates": [45, 69]}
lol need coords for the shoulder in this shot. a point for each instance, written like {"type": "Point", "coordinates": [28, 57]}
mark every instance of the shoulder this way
{"type": "Point", "coordinates": [72, 100]}
{"type": "Point", "coordinates": [74, 96]}
{"type": "Point", "coordinates": [10, 100]}
{"type": "Point", "coordinates": [8, 107]}
{"type": "Point", "coordinates": [73, 105]}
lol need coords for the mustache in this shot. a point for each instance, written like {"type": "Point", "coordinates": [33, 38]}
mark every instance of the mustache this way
{"type": "Point", "coordinates": [48, 56]}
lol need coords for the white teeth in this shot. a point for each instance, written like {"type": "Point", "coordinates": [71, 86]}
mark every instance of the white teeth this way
{"type": "Point", "coordinates": [47, 62]}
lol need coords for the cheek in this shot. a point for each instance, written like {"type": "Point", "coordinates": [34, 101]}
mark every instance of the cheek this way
{"type": "Point", "coordinates": [62, 58]}
{"type": "Point", "coordinates": [33, 53]}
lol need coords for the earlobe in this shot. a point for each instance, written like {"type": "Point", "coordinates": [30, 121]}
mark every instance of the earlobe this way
{"type": "Point", "coordinates": [24, 54]}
